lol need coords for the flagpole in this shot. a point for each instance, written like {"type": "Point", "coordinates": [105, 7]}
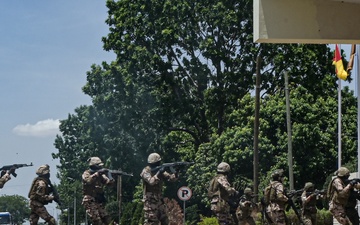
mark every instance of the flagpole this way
{"type": "Point", "coordinates": [339, 118]}
{"type": "Point", "coordinates": [358, 104]}
{"type": "Point", "coordinates": [339, 123]}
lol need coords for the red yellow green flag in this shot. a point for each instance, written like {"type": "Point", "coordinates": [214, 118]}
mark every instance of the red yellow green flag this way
{"type": "Point", "coordinates": [339, 67]}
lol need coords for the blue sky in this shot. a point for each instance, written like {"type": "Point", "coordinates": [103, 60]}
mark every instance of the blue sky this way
{"type": "Point", "coordinates": [46, 48]}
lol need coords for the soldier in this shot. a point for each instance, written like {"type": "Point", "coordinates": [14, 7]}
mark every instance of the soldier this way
{"type": "Point", "coordinates": [93, 181]}
{"type": "Point", "coordinates": [277, 199]}
{"type": "Point", "coordinates": [308, 199]}
{"type": "Point", "coordinates": [338, 193]}
{"type": "Point", "coordinates": [40, 195]}
{"type": "Point", "coordinates": [220, 191]}
{"type": "Point", "coordinates": [5, 176]}
{"type": "Point", "coordinates": [350, 207]}
{"type": "Point", "coordinates": [245, 209]}
{"type": "Point", "coordinates": [155, 212]}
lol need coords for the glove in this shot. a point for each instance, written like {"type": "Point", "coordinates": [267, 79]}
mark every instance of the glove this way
{"type": "Point", "coordinates": [353, 182]}
{"type": "Point", "coordinates": [103, 171]}
{"type": "Point", "coordinates": [3, 172]}
{"type": "Point", "coordinates": [162, 169]}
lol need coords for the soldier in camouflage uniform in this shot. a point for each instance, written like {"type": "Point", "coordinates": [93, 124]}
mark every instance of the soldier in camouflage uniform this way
{"type": "Point", "coordinates": [278, 200]}
{"type": "Point", "coordinates": [93, 181]}
{"type": "Point", "coordinates": [350, 207]}
{"type": "Point", "coordinates": [338, 193]}
{"type": "Point", "coordinates": [155, 212]}
{"type": "Point", "coordinates": [220, 191]}
{"type": "Point", "coordinates": [309, 199]}
{"type": "Point", "coordinates": [5, 176]}
{"type": "Point", "coordinates": [40, 195]}
{"type": "Point", "coordinates": [246, 208]}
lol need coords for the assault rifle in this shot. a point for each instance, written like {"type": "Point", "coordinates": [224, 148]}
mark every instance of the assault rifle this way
{"type": "Point", "coordinates": [171, 166]}
{"type": "Point", "coordinates": [354, 180]}
{"type": "Point", "coordinates": [13, 167]}
{"type": "Point", "coordinates": [316, 192]}
{"type": "Point", "coordinates": [55, 194]}
{"type": "Point", "coordinates": [291, 203]}
{"type": "Point", "coordinates": [110, 173]}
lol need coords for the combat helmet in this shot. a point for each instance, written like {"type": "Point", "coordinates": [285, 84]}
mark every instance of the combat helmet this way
{"type": "Point", "coordinates": [223, 167]}
{"type": "Point", "coordinates": [154, 158]}
{"type": "Point", "coordinates": [43, 170]}
{"type": "Point", "coordinates": [342, 172]}
{"type": "Point", "coordinates": [95, 161]}
{"type": "Point", "coordinates": [308, 185]}
{"type": "Point", "coordinates": [277, 174]}
{"type": "Point", "coordinates": [248, 191]}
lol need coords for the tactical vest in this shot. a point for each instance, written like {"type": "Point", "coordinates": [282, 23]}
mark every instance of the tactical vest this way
{"type": "Point", "coordinates": [95, 188]}
{"type": "Point", "coordinates": [335, 196]}
{"type": "Point", "coordinates": [154, 189]}
{"type": "Point", "coordinates": [215, 189]}
{"type": "Point", "coordinates": [32, 192]}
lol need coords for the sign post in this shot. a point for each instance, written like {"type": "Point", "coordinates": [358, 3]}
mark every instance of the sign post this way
{"type": "Point", "coordinates": [184, 193]}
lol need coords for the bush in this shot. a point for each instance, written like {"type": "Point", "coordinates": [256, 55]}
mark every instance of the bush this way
{"type": "Point", "coordinates": [208, 221]}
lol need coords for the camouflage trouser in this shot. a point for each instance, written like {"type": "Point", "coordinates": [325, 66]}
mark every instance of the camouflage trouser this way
{"type": "Point", "coordinates": [353, 215]}
{"type": "Point", "coordinates": [244, 217]}
{"type": "Point", "coordinates": [221, 209]}
{"type": "Point", "coordinates": [96, 211]}
{"type": "Point", "coordinates": [38, 210]}
{"type": "Point", "coordinates": [338, 212]}
{"type": "Point", "coordinates": [278, 217]}
{"type": "Point", "coordinates": [309, 218]}
{"type": "Point", "coordinates": [155, 211]}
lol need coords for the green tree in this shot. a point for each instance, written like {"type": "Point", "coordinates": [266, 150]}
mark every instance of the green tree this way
{"type": "Point", "coordinates": [16, 205]}
{"type": "Point", "coordinates": [182, 86]}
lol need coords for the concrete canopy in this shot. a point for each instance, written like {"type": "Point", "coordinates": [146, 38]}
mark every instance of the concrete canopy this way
{"type": "Point", "coordinates": [307, 21]}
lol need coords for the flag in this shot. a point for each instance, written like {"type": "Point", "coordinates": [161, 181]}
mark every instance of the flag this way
{"type": "Point", "coordinates": [351, 61]}
{"type": "Point", "coordinates": [339, 67]}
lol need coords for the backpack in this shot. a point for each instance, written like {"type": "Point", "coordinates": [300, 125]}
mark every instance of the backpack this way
{"type": "Point", "coordinates": [269, 194]}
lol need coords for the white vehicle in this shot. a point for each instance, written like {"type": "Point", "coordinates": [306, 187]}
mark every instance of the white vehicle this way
{"type": "Point", "coordinates": [5, 218]}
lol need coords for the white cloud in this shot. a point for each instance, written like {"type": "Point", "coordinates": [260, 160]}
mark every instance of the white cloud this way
{"type": "Point", "coordinates": [44, 128]}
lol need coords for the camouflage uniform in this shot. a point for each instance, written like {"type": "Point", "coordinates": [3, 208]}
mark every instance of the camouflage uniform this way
{"type": "Point", "coordinates": [4, 178]}
{"type": "Point", "coordinates": [39, 195]}
{"type": "Point", "coordinates": [309, 199]}
{"type": "Point", "coordinates": [245, 210]}
{"type": "Point", "coordinates": [338, 194]}
{"type": "Point", "coordinates": [93, 193]}
{"type": "Point", "coordinates": [350, 207]}
{"type": "Point", "coordinates": [220, 191]}
{"type": "Point", "coordinates": [154, 207]}
{"type": "Point", "coordinates": [276, 207]}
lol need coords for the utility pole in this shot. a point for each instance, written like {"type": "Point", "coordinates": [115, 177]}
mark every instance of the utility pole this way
{"type": "Point", "coordinates": [256, 128]}
{"type": "Point", "coordinates": [290, 156]}
{"type": "Point", "coordinates": [119, 194]}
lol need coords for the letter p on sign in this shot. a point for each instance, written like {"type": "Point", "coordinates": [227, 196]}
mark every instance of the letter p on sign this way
{"type": "Point", "coordinates": [184, 193]}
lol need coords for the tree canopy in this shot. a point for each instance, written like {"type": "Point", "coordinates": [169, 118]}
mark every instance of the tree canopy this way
{"type": "Point", "coordinates": [182, 85]}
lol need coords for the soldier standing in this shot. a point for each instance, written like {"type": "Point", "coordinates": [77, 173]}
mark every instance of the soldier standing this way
{"type": "Point", "coordinates": [220, 191]}
{"type": "Point", "coordinates": [245, 209]}
{"type": "Point", "coordinates": [350, 207]}
{"type": "Point", "coordinates": [39, 195]}
{"type": "Point", "coordinates": [338, 193]}
{"type": "Point", "coordinates": [278, 199]}
{"type": "Point", "coordinates": [154, 207]}
{"type": "Point", "coordinates": [93, 181]}
{"type": "Point", "coordinates": [309, 199]}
